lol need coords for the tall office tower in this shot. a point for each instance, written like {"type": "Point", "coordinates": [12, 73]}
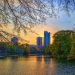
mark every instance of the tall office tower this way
{"type": "Point", "coordinates": [39, 41]}
{"type": "Point", "coordinates": [46, 38]}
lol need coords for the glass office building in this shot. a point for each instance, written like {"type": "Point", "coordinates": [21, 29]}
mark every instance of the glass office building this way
{"type": "Point", "coordinates": [46, 38]}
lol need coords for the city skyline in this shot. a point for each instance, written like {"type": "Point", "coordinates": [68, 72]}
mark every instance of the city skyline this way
{"type": "Point", "coordinates": [43, 41]}
{"type": "Point", "coordinates": [31, 36]}
{"type": "Point", "coordinates": [37, 37]}
{"type": "Point", "coordinates": [59, 20]}
{"type": "Point", "coordinates": [52, 25]}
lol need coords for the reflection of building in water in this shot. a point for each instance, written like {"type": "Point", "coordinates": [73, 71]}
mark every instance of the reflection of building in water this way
{"type": "Point", "coordinates": [14, 40]}
{"type": "Point", "coordinates": [46, 38]}
{"type": "Point", "coordinates": [39, 58]}
{"type": "Point", "coordinates": [39, 42]}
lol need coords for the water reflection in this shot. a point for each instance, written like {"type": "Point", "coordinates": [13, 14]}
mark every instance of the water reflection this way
{"type": "Point", "coordinates": [35, 65]}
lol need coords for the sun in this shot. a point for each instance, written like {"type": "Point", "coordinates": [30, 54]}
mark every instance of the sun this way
{"type": "Point", "coordinates": [41, 35]}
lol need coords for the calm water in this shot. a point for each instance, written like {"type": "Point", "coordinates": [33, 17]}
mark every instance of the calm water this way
{"type": "Point", "coordinates": [35, 66]}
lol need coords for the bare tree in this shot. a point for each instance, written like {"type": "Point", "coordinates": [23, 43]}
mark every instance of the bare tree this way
{"type": "Point", "coordinates": [24, 14]}
{"type": "Point", "coordinates": [21, 13]}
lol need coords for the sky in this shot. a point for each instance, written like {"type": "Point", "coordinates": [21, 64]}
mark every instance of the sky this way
{"type": "Point", "coordinates": [52, 25]}
{"type": "Point", "coordinates": [62, 21]}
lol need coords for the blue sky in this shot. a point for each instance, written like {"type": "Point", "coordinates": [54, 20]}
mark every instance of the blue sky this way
{"type": "Point", "coordinates": [63, 21]}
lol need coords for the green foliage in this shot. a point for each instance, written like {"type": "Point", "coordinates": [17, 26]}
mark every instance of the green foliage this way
{"type": "Point", "coordinates": [55, 49]}
{"type": "Point", "coordinates": [63, 46]}
{"type": "Point", "coordinates": [26, 48]}
{"type": "Point", "coordinates": [47, 50]}
{"type": "Point", "coordinates": [12, 49]}
{"type": "Point", "coordinates": [71, 56]}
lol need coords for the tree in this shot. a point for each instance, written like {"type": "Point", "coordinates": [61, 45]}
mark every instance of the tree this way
{"type": "Point", "coordinates": [63, 43]}
{"type": "Point", "coordinates": [25, 48]}
{"type": "Point", "coordinates": [47, 50]}
{"type": "Point", "coordinates": [23, 14]}
{"type": "Point", "coordinates": [71, 55]}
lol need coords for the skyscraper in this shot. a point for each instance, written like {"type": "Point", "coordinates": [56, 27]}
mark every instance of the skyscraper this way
{"type": "Point", "coordinates": [46, 38]}
{"type": "Point", "coordinates": [39, 41]}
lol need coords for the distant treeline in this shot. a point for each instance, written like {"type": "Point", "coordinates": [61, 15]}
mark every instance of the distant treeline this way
{"type": "Point", "coordinates": [8, 49]}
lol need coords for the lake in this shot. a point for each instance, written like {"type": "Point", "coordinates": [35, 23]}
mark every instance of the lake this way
{"type": "Point", "coordinates": [34, 65]}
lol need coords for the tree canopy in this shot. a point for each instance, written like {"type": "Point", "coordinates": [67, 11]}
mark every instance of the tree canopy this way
{"type": "Point", "coordinates": [63, 45]}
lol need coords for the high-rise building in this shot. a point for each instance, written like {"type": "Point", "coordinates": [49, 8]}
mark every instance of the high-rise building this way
{"type": "Point", "coordinates": [39, 41]}
{"type": "Point", "coordinates": [46, 38]}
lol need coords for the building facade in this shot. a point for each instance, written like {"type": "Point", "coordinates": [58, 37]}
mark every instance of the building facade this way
{"type": "Point", "coordinates": [39, 41]}
{"type": "Point", "coordinates": [46, 38]}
